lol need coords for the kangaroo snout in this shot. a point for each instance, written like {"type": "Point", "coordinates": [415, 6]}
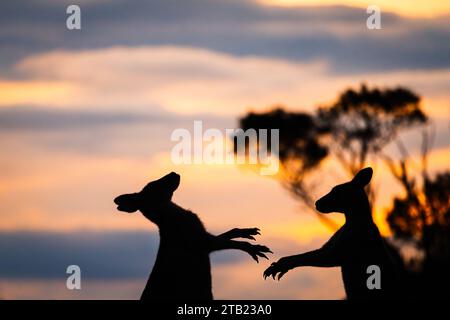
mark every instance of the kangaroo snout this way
{"type": "Point", "coordinates": [319, 206]}
{"type": "Point", "coordinates": [322, 207]}
{"type": "Point", "coordinates": [127, 202]}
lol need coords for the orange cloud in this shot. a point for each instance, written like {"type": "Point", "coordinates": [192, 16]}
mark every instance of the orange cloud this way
{"type": "Point", "coordinates": [188, 80]}
{"type": "Point", "coordinates": [49, 93]}
{"type": "Point", "coordinates": [413, 8]}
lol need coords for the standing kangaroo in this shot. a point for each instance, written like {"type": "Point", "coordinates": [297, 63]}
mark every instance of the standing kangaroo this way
{"type": "Point", "coordinates": [354, 247]}
{"type": "Point", "coordinates": [182, 268]}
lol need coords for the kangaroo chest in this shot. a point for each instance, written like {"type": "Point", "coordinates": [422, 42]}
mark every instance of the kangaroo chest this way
{"type": "Point", "coordinates": [361, 249]}
{"type": "Point", "coordinates": [182, 267]}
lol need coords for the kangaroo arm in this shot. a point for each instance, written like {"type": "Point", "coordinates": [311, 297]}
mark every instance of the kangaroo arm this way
{"type": "Point", "coordinates": [331, 254]}
{"type": "Point", "coordinates": [247, 233]}
{"type": "Point", "coordinates": [221, 242]}
{"type": "Point", "coordinates": [316, 258]}
{"type": "Point", "coordinates": [230, 234]}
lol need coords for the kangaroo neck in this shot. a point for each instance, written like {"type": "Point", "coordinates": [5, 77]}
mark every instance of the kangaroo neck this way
{"type": "Point", "coordinates": [166, 212]}
{"type": "Point", "coordinates": [359, 214]}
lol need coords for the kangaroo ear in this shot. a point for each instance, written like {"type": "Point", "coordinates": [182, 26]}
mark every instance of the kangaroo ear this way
{"type": "Point", "coordinates": [174, 181]}
{"type": "Point", "coordinates": [363, 177]}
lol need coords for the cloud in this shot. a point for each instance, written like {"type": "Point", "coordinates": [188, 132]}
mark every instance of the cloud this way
{"type": "Point", "coordinates": [190, 81]}
{"type": "Point", "coordinates": [37, 119]}
{"type": "Point", "coordinates": [335, 33]}
{"type": "Point", "coordinates": [100, 255]}
{"type": "Point", "coordinates": [55, 289]}
{"type": "Point", "coordinates": [181, 80]}
{"type": "Point", "coordinates": [29, 118]}
{"type": "Point", "coordinates": [415, 8]}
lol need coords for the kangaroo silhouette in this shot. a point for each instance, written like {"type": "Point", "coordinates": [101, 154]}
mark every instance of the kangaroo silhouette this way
{"type": "Point", "coordinates": [182, 270]}
{"type": "Point", "coordinates": [355, 247]}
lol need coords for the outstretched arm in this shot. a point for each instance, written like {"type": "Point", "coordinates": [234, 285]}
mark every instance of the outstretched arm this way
{"type": "Point", "coordinates": [316, 258]}
{"type": "Point", "coordinates": [247, 233]}
{"type": "Point", "coordinates": [221, 243]}
{"type": "Point", "coordinates": [330, 255]}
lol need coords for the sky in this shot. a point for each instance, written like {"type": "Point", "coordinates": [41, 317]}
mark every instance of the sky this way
{"type": "Point", "coordinates": [86, 115]}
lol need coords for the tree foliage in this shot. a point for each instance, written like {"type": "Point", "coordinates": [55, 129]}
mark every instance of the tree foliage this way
{"type": "Point", "coordinates": [362, 122]}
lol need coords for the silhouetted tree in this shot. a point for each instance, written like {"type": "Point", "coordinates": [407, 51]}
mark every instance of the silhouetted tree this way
{"type": "Point", "coordinates": [358, 125]}
{"type": "Point", "coordinates": [421, 218]}
{"type": "Point", "coordinates": [363, 122]}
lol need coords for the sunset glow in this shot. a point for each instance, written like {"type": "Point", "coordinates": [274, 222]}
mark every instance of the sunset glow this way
{"type": "Point", "coordinates": [87, 116]}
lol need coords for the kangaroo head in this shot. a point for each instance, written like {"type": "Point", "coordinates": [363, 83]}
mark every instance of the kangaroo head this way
{"type": "Point", "coordinates": [343, 197]}
{"type": "Point", "coordinates": [154, 195]}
